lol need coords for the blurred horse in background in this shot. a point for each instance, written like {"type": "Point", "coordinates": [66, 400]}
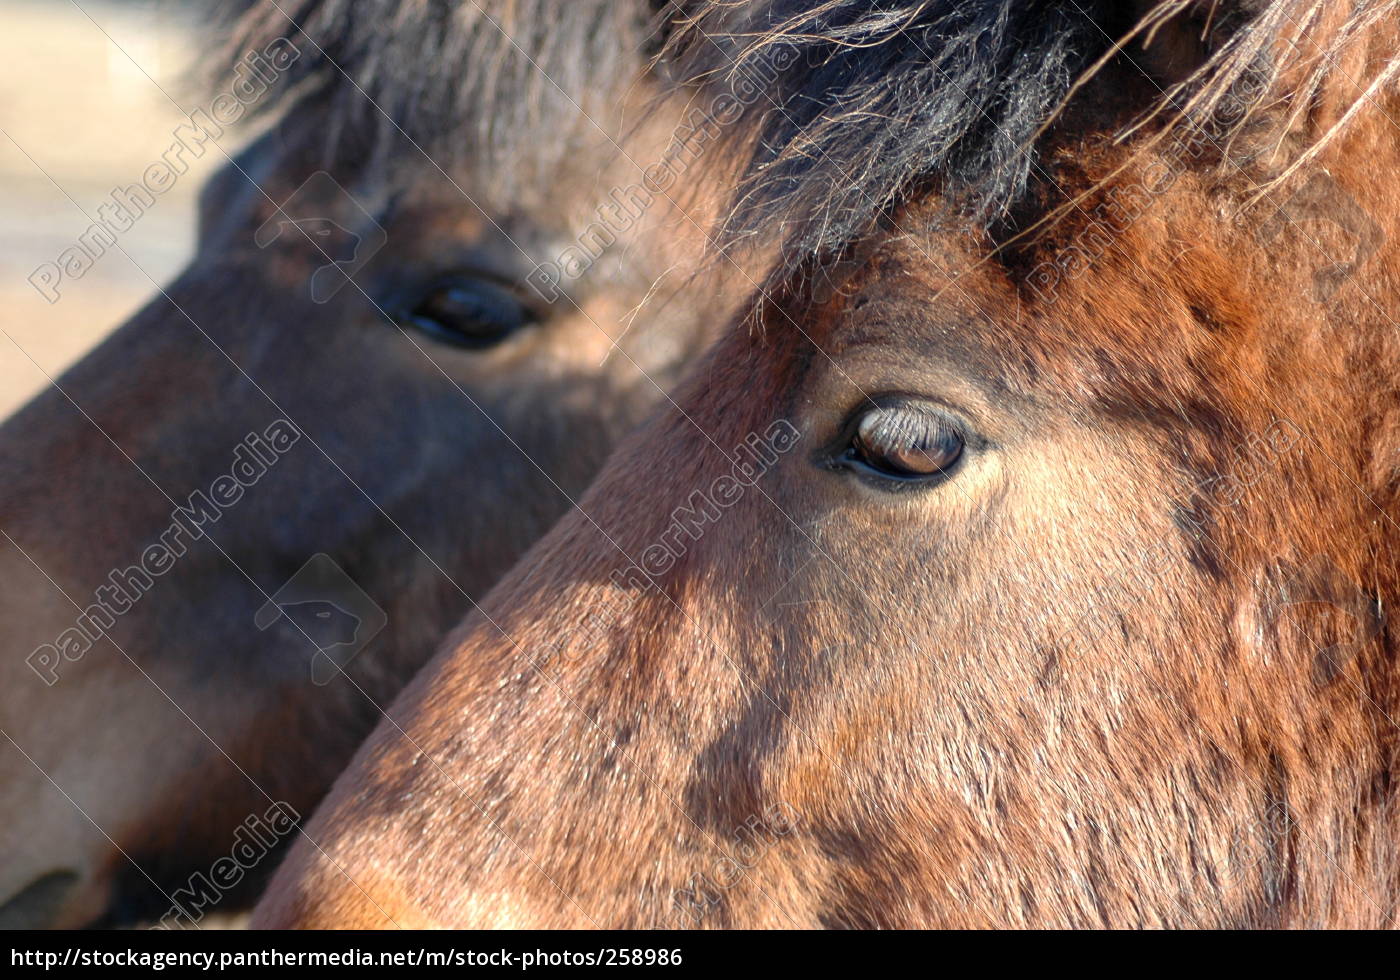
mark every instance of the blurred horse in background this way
{"type": "Point", "coordinates": [239, 525]}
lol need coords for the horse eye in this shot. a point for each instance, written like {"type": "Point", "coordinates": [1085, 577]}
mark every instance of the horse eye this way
{"type": "Point", "coordinates": [904, 442]}
{"type": "Point", "coordinates": [471, 313]}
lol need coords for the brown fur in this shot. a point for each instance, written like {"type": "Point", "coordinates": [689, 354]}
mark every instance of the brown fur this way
{"type": "Point", "coordinates": [1116, 671]}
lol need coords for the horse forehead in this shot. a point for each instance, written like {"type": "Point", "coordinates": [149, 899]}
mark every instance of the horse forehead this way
{"type": "Point", "coordinates": [938, 296]}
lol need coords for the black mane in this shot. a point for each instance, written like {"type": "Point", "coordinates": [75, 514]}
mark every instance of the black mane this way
{"type": "Point", "coordinates": [886, 96]}
{"type": "Point", "coordinates": [883, 94]}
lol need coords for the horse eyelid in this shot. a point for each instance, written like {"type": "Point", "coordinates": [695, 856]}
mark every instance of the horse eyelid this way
{"type": "Point", "coordinates": [838, 456]}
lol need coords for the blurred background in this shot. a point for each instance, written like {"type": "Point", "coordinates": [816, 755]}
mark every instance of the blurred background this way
{"type": "Point", "coordinates": [91, 92]}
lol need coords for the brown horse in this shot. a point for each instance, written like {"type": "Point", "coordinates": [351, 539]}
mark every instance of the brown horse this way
{"type": "Point", "coordinates": [233, 530]}
{"type": "Point", "coordinates": [1053, 587]}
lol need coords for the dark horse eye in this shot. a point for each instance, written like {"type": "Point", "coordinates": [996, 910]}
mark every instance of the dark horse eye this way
{"type": "Point", "coordinates": [472, 313]}
{"type": "Point", "coordinates": [903, 441]}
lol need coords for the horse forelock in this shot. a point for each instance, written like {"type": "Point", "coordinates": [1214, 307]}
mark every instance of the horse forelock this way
{"type": "Point", "coordinates": [878, 102]}
{"type": "Point", "coordinates": [471, 82]}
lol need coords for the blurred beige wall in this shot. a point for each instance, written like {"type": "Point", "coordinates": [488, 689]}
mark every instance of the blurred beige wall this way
{"type": "Point", "coordinates": [80, 104]}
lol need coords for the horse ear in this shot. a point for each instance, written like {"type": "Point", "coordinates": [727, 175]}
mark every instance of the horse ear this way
{"type": "Point", "coordinates": [1175, 38]}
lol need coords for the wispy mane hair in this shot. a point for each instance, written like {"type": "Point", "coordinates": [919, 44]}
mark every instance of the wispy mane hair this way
{"type": "Point", "coordinates": [884, 98]}
{"type": "Point", "coordinates": [470, 81]}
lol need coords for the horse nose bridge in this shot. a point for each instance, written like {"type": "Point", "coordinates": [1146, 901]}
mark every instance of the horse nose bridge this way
{"type": "Point", "coordinates": [139, 373]}
{"type": "Point", "coordinates": [132, 411]}
{"type": "Point", "coordinates": [562, 624]}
